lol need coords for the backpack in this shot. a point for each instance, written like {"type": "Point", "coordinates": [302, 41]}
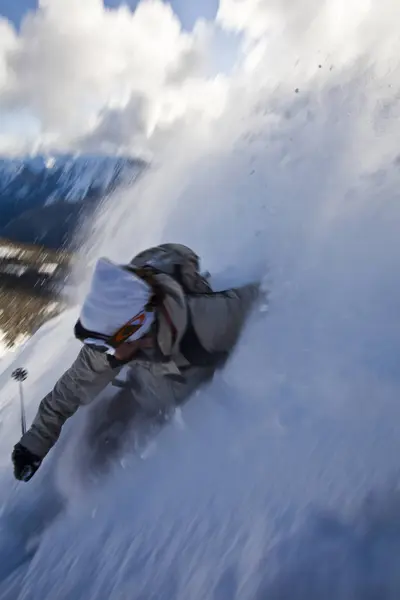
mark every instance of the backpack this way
{"type": "Point", "coordinates": [177, 261]}
{"type": "Point", "coordinates": [182, 264]}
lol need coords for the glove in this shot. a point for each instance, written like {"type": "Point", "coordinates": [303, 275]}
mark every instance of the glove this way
{"type": "Point", "coordinates": [25, 463]}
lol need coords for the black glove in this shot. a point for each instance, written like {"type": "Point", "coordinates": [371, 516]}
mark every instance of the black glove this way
{"type": "Point", "coordinates": [25, 463]}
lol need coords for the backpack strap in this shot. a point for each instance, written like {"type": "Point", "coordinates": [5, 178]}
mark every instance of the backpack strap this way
{"type": "Point", "coordinates": [147, 273]}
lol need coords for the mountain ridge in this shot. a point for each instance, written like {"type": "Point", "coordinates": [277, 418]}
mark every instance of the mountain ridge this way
{"type": "Point", "coordinates": [44, 198]}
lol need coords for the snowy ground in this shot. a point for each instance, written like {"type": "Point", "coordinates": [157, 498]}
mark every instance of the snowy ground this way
{"type": "Point", "coordinates": [280, 480]}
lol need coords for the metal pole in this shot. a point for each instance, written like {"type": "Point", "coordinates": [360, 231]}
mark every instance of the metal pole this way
{"type": "Point", "coordinates": [20, 375]}
{"type": "Point", "coordinates": [23, 417]}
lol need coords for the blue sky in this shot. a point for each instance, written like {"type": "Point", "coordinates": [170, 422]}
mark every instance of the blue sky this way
{"type": "Point", "coordinates": [187, 10]}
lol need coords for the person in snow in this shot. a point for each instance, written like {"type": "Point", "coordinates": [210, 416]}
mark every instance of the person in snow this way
{"type": "Point", "coordinates": [157, 315]}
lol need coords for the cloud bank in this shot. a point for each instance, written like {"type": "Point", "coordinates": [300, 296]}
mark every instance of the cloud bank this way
{"type": "Point", "coordinates": [96, 79]}
{"type": "Point", "coordinates": [84, 70]}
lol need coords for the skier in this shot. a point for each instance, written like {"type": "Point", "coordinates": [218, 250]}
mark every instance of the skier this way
{"type": "Point", "coordinates": [159, 316]}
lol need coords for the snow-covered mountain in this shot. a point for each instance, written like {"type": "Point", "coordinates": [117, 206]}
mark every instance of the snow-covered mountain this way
{"type": "Point", "coordinates": [42, 197]}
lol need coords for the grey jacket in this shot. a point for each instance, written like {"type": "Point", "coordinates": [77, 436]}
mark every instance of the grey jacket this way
{"type": "Point", "coordinates": [213, 319]}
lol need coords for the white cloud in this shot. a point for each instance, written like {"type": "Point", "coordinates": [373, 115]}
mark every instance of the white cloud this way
{"type": "Point", "coordinates": [94, 78]}
{"type": "Point", "coordinates": [8, 41]}
{"type": "Point", "coordinates": [196, 100]}
{"type": "Point", "coordinates": [77, 66]}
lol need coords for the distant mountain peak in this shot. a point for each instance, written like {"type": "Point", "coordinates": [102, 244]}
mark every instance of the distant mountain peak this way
{"type": "Point", "coordinates": [29, 185]}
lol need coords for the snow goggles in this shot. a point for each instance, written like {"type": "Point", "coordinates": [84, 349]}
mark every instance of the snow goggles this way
{"type": "Point", "coordinates": [132, 330]}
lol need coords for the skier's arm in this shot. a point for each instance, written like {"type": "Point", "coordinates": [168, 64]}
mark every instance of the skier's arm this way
{"type": "Point", "coordinates": [218, 317]}
{"type": "Point", "coordinates": [89, 375]}
{"type": "Point", "coordinates": [246, 295]}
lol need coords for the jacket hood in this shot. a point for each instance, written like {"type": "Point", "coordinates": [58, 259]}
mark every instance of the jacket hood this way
{"type": "Point", "coordinates": [116, 296]}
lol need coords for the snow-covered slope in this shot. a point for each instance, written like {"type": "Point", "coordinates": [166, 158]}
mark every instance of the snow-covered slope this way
{"type": "Point", "coordinates": [280, 479]}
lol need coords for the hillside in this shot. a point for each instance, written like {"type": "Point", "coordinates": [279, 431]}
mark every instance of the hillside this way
{"type": "Point", "coordinates": [31, 282]}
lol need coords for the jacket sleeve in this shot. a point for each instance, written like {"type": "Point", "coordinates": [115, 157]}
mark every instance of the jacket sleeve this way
{"type": "Point", "coordinates": [218, 318]}
{"type": "Point", "coordinates": [88, 375]}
